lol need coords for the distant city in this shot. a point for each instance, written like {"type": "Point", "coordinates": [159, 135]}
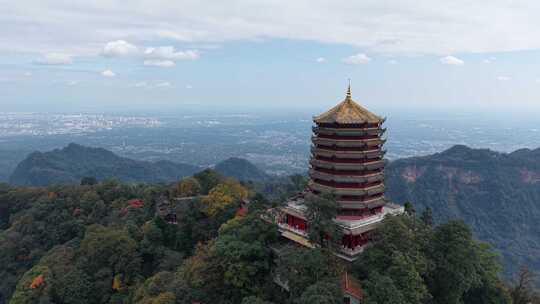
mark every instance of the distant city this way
{"type": "Point", "coordinates": [278, 143]}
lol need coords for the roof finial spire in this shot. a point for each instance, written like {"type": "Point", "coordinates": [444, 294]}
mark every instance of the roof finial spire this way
{"type": "Point", "coordinates": [349, 90]}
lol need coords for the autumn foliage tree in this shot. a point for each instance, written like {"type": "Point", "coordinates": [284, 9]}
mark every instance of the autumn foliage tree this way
{"type": "Point", "coordinates": [188, 186]}
{"type": "Point", "coordinates": [224, 194]}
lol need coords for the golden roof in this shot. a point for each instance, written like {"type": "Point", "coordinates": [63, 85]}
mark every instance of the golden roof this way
{"type": "Point", "coordinates": [348, 112]}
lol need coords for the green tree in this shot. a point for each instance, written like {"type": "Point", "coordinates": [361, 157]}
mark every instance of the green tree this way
{"type": "Point", "coordinates": [407, 279]}
{"type": "Point", "coordinates": [397, 255]}
{"type": "Point", "coordinates": [299, 182]}
{"type": "Point", "coordinates": [208, 179]}
{"type": "Point", "coordinates": [401, 235]}
{"type": "Point", "coordinates": [323, 292]}
{"type": "Point", "coordinates": [427, 216]}
{"type": "Point", "coordinates": [237, 263]}
{"type": "Point", "coordinates": [33, 287]}
{"type": "Point", "coordinates": [409, 209]}
{"type": "Point", "coordinates": [455, 260]}
{"type": "Point", "coordinates": [88, 181]}
{"type": "Point", "coordinates": [380, 289]}
{"type": "Point", "coordinates": [254, 300]}
{"type": "Point", "coordinates": [109, 256]}
{"type": "Point", "coordinates": [322, 228]}
{"type": "Point", "coordinates": [188, 186]}
{"type": "Point", "coordinates": [75, 287]}
{"type": "Point", "coordinates": [300, 268]}
{"type": "Point", "coordinates": [156, 289]}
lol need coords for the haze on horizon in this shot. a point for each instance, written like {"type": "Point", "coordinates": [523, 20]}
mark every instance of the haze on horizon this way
{"type": "Point", "coordinates": [105, 56]}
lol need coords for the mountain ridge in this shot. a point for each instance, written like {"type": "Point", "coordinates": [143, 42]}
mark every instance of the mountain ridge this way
{"type": "Point", "coordinates": [73, 162]}
{"type": "Point", "coordinates": [496, 194]}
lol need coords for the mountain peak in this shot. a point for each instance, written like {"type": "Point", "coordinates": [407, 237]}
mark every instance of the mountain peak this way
{"type": "Point", "coordinates": [467, 153]}
{"type": "Point", "coordinates": [241, 169]}
{"type": "Point", "coordinates": [73, 162]}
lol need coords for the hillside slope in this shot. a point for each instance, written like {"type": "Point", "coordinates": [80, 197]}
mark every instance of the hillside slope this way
{"type": "Point", "coordinates": [241, 169]}
{"type": "Point", "coordinates": [496, 194]}
{"type": "Point", "coordinates": [70, 164]}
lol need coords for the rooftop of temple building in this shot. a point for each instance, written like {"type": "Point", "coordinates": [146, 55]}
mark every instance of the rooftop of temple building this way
{"type": "Point", "coordinates": [348, 112]}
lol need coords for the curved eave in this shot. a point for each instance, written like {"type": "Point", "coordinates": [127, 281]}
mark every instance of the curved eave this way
{"type": "Point", "coordinates": [349, 131]}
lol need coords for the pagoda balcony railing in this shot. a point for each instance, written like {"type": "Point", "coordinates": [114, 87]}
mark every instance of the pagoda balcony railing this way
{"type": "Point", "coordinates": [371, 153]}
{"type": "Point", "coordinates": [351, 137]}
{"type": "Point", "coordinates": [317, 163]}
{"type": "Point", "coordinates": [374, 142]}
{"type": "Point", "coordinates": [358, 173]}
{"type": "Point", "coordinates": [377, 189]}
{"type": "Point", "coordinates": [338, 160]}
{"type": "Point", "coordinates": [348, 185]}
{"type": "Point", "coordinates": [351, 252]}
{"type": "Point", "coordinates": [350, 126]}
{"type": "Point", "coordinates": [355, 224]}
{"type": "Point", "coordinates": [293, 229]}
{"type": "Point", "coordinates": [347, 149]}
{"type": "Point", "coordinates": [314, 174]}
{"type": "Point", "coordinates": [362, 199]}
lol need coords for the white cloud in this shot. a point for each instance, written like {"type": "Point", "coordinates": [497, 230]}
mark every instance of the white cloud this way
{"type": "Point", "coordinates": [119, 48]}
{"type": "Point", "coordinates": [392, 61]}
{"type": "Point", "coordinates": [163, 84]}
{"type": "Point", "coordinates": [55, 59]}
{"type": "Point", "coordinates": [170, 53]}
{"type": "Point", "coordinates": [385, 26]}
{"type": "Point", "coordinates": [141, 84]}
{"type": "Point", "coordinates": [321, 60]}
{"type": "Point", "coordinates": [360, 58]}
{"type": "Point", "coordinates": [161, 56]}
{"type": "Point", "coordinates": [188, 86]}
{"type": "Point", "coordinates": [503, 78]}
{"type": "Point", "coordinates": [72, 83]}
{"type": "Point", "coordinates": [160, 63]}
{"type": "Point", "coordinates": [108, 73]}
{"type": "Point", "coordinates": [152, 84]}
{"type": "Point", "coordinates": [28, 74]}
{"type": "Point", "coordinates": [451, 60]}
{"type": "Point", "coordinates": [489, 60]}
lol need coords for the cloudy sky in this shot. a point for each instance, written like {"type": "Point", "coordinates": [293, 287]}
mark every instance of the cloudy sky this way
{"type": "Point", "coordinates": [162, 54]}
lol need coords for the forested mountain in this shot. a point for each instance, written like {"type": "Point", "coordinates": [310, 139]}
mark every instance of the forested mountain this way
{"type": "Point", "coordinates": [497, 194]}
{"type": "Point", "coordinates": [70, 164]}
{"type": "Point", "coordinates": [241, 169]}
{"type": "Point", "coordinates": [117, 243]}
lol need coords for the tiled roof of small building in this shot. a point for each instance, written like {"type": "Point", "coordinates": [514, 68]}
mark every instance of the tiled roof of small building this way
{"type": "Point", "coordinates": [351, 286]}
{"type": "Point", "coordinates": [348, 112]}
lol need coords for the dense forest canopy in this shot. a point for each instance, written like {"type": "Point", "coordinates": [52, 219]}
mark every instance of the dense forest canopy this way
{"type": "Point", "coordinates": [111, 242]}
{"type": "Point", "coordinates": [496, 194]}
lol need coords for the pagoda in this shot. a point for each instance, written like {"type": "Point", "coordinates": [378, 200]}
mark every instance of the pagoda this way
{"type": "Point", "coordinates": [347, 160]}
